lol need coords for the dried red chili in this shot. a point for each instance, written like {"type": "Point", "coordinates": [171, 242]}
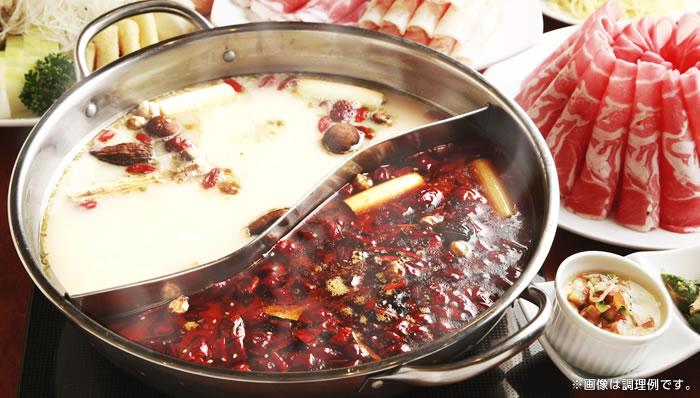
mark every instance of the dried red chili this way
{"type": "Point", "coordinates": [347, 289]}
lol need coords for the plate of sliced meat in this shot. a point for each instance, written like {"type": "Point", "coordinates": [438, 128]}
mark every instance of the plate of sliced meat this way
{"type": "Point", "coordinates": [619, 106]}
{"type": "Point", "coordinates": [478, 33]}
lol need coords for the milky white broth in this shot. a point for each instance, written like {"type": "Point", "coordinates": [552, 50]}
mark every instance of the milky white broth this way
{"type": "Point", "coordinates": [267, 137]}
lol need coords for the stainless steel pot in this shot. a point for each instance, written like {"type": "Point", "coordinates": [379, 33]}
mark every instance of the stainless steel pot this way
{"type": "Point", "coordinates": [265, 48]}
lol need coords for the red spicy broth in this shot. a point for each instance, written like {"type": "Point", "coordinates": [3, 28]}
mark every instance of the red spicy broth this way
{"type": "Point", "coordinates": [346, 288]}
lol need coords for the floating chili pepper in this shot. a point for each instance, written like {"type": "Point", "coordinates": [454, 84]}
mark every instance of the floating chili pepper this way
{"type": "Point", "coordinates": [106, 135]}
{"type": "Point", "coordinates": [290, 81]}
{"type": "Point", "coordinates": [324, 123]}
{"type": "Point", "coordinates": [367, 131]}
{"type": "Point", "coordinates": [211, 178]}
{"type": "Point", "coordinates": [89, 204]}
{"type": "Point", "coordinates": [144, 138]}
{"type": "Point", "coordinates": [141, 168]}
{"type": "Point", "coordinates": [238, 87]}
{"type": "Point", "coordinates": [361, 115]}
{"type": "Point", "coordinates": [266, 81]}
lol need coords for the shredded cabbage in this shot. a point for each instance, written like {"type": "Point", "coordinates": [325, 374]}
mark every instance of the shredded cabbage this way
{"type": "Point", "coordinates": [632, 9]}
{"type": "Point", "coordinates": [57, 20]}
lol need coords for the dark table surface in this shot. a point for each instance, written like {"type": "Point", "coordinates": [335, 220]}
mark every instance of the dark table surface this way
{"type": "Point", "coordinates": [16, 290]}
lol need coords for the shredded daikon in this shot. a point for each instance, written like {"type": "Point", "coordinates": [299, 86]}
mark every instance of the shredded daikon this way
{"type": "Point", "coordinates": [632, 9]}
{"type": "Point", "coordinates": [56, 20]}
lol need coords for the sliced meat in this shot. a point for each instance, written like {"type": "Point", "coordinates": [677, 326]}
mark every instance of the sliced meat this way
{"type": "Point", "coordinates": [422, 25]}
{"type": "Point", "coordinates": [450, 31]}
{"type": "Point", "coordinates": [571, 133]}
{"type": "Point", "coordinates": [595, 189]}
{"type": "Point", "coordinates": [690, 82]}
{"type": "Point", "coordinates": [354, 15]}
{"type": "Point", "coordinates": [603, 19]}
{"type": "Point", "coordinates": [678, 163]}
{"type": "Point", "coordinates": [548, 107]}
{"type": "Point", "coordinates": [397, 17]}
{"type": "Point", "coordinates": [373, 17]}
{"type": "Point", "coordinates": [630, 44]}
{"type": "Point", "coordinates": [684, 42]}
{"type": "Point", "coordinates": [474, 42]}
{"type": "Point", "coordinates": [638, 206]}
{"type": "Point", "coordinates": [330, 11]}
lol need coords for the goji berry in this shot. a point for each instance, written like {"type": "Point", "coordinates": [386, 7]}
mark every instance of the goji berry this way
{"type": "Point", "coordinates": [367, 131]}
{"type": "Point", "coordinates": [290, 81]}
{"type": "Point", "coordinates": [141, 168]}
{"type": "Point", "coordinates": [210, 179]}
{"type": "Point", "coordinates": [324, 123]}
{"type": "Point", "coordinates": [144, 138]}
{"type": "Point", "coordinates": [89, 204]}
{"type": "Point", "coordinates": [266, 81]}
{"type": "Point", "coordinates": [106, 135]}
{"type": "Point", "coordinates": [238, 87]}
{"type": "Point", "coordinates": [361, 115]}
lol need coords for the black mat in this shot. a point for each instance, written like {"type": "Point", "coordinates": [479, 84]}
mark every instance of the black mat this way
{"type": "Point", "coordinates": [59, 362]}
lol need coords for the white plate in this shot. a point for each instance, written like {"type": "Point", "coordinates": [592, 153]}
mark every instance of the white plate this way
{"type": "Point", "coordinates": [557, 13]}
{"type": "Point", "coordinates": [679, 343]}
{"type": "Point", "coordinates": [520, 27]}
{"type": "Point", "coordinates": [19, 122]}
{"type": "Point", "coordinates": [507, 77]}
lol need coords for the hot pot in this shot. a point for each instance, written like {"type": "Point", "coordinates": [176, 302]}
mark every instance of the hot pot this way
{"type": "Point", "coordinates": [265, 48]}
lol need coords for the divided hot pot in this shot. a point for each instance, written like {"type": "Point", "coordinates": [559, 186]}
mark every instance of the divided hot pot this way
{"type": "Point", "coordinates": [262, 48]}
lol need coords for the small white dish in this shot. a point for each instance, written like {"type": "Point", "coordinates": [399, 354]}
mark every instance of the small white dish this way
{"type": "Point", "coordinates": [29, 122]}
{"type": "Point", "coordinates": [520, 27]}
{"type": "Point", "coordinates": [507, 76]}
{"type": "Point", "coordinates": [587, 346]}
{"type": "Point", "coordinates": [679, 343]}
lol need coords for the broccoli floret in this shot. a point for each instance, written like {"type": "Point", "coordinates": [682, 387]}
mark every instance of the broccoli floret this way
{"type": "Point", "coordinates": [50, 77]}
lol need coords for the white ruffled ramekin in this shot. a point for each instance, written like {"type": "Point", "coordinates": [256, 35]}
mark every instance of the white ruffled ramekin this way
{"type": "Point", "coordinates": [588, 347]}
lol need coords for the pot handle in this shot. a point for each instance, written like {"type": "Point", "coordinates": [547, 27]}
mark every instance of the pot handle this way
{"type": "Point", "coordinates": [469, 367]}
{"type": "Point", "coordinates": [142, 7]}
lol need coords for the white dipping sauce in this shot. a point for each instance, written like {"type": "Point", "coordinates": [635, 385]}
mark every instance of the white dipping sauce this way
{"type": "Point", "coordinates": [270, 140]}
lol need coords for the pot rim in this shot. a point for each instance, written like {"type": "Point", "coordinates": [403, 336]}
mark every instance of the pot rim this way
{"type": "Point", "coordinates": [120, 343]}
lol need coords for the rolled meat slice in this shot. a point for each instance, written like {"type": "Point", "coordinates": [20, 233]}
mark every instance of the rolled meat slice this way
{"type": "Point", "coordinates": [353, 15]}
{"type": "Point", "coordinates": [456, 3]}
{"type": "Point", "coordinates": [466, 50]}
{"type": "Point", "coordinates": [595, 189]}
{"type": "Point", "coordinates": [683, 41]}
{"type": "Point", "coordinates": [548, 107]}
{"type": "Point", "coordinates": [661, 33]}
{"type": "Point", "coordinates": [422, 25]}
{"type": "Point", "coordinates": [268, 10]}
{"type": "Point", "coordinates": [329, 11]}
{"type": "Point", "coordinates": [630, 44]}
{"type": "Point", "coordinates": [397, 17]}
{"type": "Point", "coordinates": [649, 56]}
{"type": "Point", "coordinates": [690, 81]}
{"type": "Point", "coordinates": [373, 17]}
{"type": "Point", "coordinates": [539, 79]}
{"type": "Point", "coordinates": [455, 24]}
{"type": "Point", "coordinates": [679, 165]}
{"type": "Point", "coordinates": [571, 133]}
{"type": "Point", "coordinates": [638, 206]}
